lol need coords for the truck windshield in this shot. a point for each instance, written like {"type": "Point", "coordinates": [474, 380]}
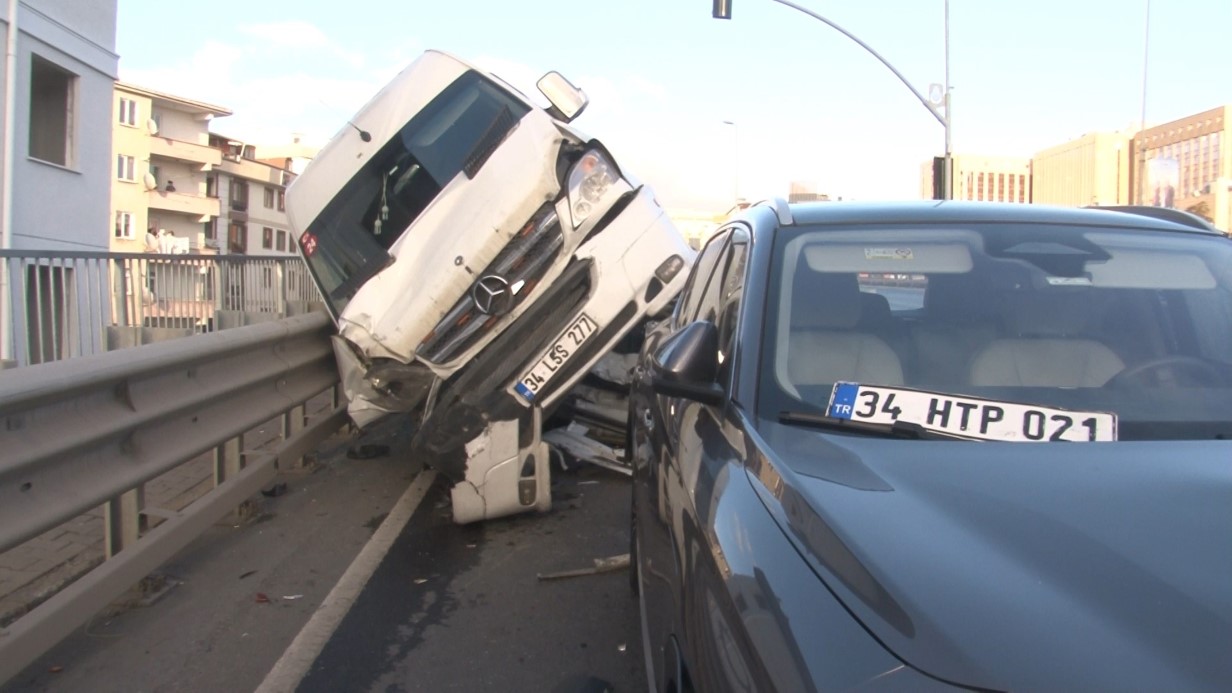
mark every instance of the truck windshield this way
{"type": "Point", "coordinates": [349, 241]}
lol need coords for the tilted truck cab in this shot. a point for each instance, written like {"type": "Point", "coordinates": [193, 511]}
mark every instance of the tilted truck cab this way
{"type": "Point", "coordinates": [478, 255]}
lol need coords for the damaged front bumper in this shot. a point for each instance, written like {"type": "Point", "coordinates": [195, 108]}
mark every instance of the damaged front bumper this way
{"type": "Point", "coordinates": [383, 387]}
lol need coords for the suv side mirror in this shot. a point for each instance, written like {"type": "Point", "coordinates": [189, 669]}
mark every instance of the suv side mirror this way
{"type": "Point", "coordinates": [567, 101]}
{"type": "Point", "coordinates": [687, 364]}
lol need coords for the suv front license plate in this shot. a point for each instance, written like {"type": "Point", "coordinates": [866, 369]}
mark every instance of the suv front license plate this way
{"type": "Point", "coordinates": [557, 355]}
{"type": "Point", "coordinates": [973, 418]}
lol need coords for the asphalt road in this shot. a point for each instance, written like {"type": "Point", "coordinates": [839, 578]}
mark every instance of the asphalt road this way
{"type": "Point", "coordinates": [447, 608]}
{"type": "Point", "coordinates": [463, 609]}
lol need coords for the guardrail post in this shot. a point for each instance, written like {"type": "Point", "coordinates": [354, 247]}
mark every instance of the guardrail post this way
{"type": "Point", "coordinates": [228, 460]}
{"type": "Point", "coordinates": [292, 423]}
{"type": "Point", "coordinates": [122, 521]}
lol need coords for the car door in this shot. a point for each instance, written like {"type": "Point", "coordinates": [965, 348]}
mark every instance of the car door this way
{"type": "Point", "coordinates": [669, 459]}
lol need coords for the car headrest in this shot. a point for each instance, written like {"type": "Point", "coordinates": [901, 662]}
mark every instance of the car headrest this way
{"type": "Point", "coordinates": [1048, 313]}
{"type": "Point", "coordinates": [824, 300]}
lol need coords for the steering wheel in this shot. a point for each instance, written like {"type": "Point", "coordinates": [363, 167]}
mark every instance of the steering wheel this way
{"type": "Point", "coordinates": [1206, 371]}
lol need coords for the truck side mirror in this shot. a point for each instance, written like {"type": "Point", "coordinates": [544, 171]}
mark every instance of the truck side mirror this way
{"type": "Point", "coordinates": [567, 101]}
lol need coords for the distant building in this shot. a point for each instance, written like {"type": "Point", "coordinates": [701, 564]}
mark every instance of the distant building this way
{"type": "Point", "coordinates": [1187, 164]}
{"type": "Point", "coordinates": [163, 197]}
{"type": "Point", "coordinates": [696, 226]}
{"type": "Point", "coordinates": [1090, 170]}
{"type": "Point", "coordinates": [66, 65]}
{"type": "Point", "coordinates": [804, 192]}
{"type": "Point", "coordinates": [253, 197]}
{"type": "Point", "coordinates": [984, 178]}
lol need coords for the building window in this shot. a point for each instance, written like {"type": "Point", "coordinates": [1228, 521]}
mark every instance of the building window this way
{"type": "Point", "coordinates": [237, 238]}
{"type": "Point", "coordinates": [211, 229]}
{"type": "Point", "coordinates": [267, 238]}
{"type": "Point", "coordinates": [126, 167]}
{"type": "Point", "coordinates": [52, 109]}
{"type": "Point", "coordinates": [269, 197]}
{"type": "Point", "coordinates": [239, 195]}
{"type": "Point", "coordinates": [211, 186]}
{"type": "Point", "coordinates": [282, 200]}
{"type": "Point", "coordinates": [124, 225]}
{"type": "Point", "coordinates": [282, 241]}
{"type": "Point", "coordinates": [128, 112]}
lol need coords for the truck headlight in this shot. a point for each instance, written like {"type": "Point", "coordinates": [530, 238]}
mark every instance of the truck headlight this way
{"type": "Point", "coordinates": [589, 180]}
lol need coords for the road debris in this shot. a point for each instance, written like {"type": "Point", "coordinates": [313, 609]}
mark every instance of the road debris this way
{"type": "Point", "coordinates": [290, 597]}
{"type": "Point", "coordinates": [262, 598]}
{"type": "Point", "coordinates": [610, 564]}
{"type": "Point", "coordinates": [574, 445]}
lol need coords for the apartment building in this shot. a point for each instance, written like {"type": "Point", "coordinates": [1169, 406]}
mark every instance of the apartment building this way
{"type": "Point", "coordinates": [1187, 164]}
{"type": "Point", "coordinates": [1093, 169]}
{"type": "Point", "coordinates": [253, 196]}
{"type": "Point", "coordinates": [984, 178]}
{"type": "Point", "coordinates": [162, 169]}
{"type": "Point", "coordinates": [65, 67]}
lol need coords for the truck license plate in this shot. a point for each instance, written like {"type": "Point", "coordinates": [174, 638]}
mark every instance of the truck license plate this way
{"type": "Point", "coordinates": [556, 357]}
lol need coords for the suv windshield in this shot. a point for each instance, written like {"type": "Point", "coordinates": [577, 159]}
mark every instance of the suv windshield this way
{"type": "Point", "coordinates": [454, 134]}
{"type": "Point", "coordinates": [1136, 323]}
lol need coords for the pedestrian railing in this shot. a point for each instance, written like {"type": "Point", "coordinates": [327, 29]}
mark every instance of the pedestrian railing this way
{"type": "Point", "coordinates": [59, 305]}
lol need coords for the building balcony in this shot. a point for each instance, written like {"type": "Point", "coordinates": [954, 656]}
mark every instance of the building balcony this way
{"type": "Point", "coordinates": [251, 170]}
{"type": "Point", "coordinates": [184, 203]}
{"type": "Point", "coordinates": [184, 151]}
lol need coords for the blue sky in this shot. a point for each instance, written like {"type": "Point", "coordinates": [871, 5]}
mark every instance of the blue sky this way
{"type": "Point", "coordinates": [807, 103]}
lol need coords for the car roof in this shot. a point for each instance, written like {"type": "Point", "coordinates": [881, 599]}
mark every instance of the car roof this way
{"type": "Point", "coordinates": [779, 213]}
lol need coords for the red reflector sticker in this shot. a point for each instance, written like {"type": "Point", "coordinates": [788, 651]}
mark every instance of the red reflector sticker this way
{"type": "Point", "coordinates": [309, 244]}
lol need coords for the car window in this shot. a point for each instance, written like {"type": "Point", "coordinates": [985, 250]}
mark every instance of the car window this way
{"type": "Point", "coordinates": [1131, 322]}
{"type": "Point", "coordinates": [695, 288]}
{"type": "Point", "coordinates": [732, 288]}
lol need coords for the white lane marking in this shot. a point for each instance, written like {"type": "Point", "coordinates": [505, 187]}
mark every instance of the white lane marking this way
{"type": "Point", "coordinates": [298, 658]}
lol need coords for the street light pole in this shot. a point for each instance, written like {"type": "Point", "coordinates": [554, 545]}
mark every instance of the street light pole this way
{"type": "Point", "coordinates": [722, 10]}
{"type": "Point", "coordinates": [948, 183]}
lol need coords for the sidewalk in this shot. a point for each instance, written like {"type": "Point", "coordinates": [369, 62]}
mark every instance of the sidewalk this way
{"type": "Point", "coordinates": [36, 570]}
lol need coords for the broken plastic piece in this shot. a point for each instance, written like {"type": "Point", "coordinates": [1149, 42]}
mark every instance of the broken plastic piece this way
{"type": "Point", "coordinates": [610, 564]}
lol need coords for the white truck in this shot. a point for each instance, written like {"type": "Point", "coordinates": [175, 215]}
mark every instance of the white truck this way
{"type": "Point", "coordinates": [478, 255]}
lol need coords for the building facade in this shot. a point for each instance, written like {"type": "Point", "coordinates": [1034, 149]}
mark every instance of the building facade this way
{"type": "Point", "coordinates": [1187, 164]}
{"type": "Point", "coordinates": [61, 142]}
{"type": "Point", "coordinates": [1090, 170]}
{"type": "Point", "coordinates": [161, 199]}
{"type": "Point", "coordinates": [253, 220]}
{"type": "Point", "coordinates": [984, 178]}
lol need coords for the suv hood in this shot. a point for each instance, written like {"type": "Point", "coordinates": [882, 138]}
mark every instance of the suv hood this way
{"type": "Point", "coordinates": [1022, 566]}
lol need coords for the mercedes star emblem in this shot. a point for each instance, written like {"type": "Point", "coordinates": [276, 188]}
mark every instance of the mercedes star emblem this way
{"type": "Point", "coordinates": [492, 295]}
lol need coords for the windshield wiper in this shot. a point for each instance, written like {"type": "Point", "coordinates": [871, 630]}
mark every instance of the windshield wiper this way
{"type": "Point", "coordinates": [898, 429]}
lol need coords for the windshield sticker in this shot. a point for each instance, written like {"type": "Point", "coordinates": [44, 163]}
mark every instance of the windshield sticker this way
{"type": "Point", "coordinates": [1069, 281]}
{"type": "Point", "coordinates": [971, 418]}
{"type": "Point", "coordinates": [888, 254]}
{"type": "Point", "coordinates": [309, 243]}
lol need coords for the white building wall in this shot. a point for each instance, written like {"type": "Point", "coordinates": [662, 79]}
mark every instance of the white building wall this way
{"type": "Point", "coordinates": [65, 207]}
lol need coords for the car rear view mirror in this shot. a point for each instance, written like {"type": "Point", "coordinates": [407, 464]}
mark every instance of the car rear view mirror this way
{"type": "Point", "coordinates": [687, 364]}
{"type": "Point", "coordinates": [567, 101]}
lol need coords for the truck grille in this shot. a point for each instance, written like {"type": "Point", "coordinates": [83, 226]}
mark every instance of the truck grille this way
{"type": "Point", "coordinates": [522, 263]}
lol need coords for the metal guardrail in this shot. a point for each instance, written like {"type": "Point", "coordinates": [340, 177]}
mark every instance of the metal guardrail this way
{"type": "Point", "coordinates": [91, 431]}
{"type": "Point", "coordinates": [65, 304]}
